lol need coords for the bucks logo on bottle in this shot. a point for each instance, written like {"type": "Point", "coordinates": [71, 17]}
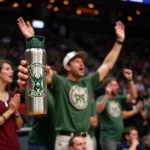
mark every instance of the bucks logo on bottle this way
{"type": "Point", "coordinates": [36, 87]}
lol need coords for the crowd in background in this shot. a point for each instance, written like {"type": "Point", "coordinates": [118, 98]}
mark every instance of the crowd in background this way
{"type": "Point", "coordinates": [134, 55]}
{"type": "Point", "coordinates": [59, 42]}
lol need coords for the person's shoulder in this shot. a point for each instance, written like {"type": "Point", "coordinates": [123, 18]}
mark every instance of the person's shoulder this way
{"type": "Point", "coordinates": [122, 146]}
{"type": "Point", "coordinates": [99, 98]}
{"type": "Point", "coordinates": [140, 147]}
{"type": "Point", "coordinates": [57, 77]}
{"type": "Point", "coordinates": [147, 103]}
{"type": "Point", "coordinates": [120, 97]}
{"type": "Point", "coordinates": [91, 75]}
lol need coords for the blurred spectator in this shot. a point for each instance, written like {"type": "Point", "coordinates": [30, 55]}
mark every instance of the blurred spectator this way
{"type": "Point", "coordinates": [134, 116]}
{"type": "Point", "coordinates": [77, 143]}
{"type": "Point", "coordinates": [147, 142]}
{"type": "Point", "coordinates": [131, 141]}
{"type": "Point", "coordinates": [109, 108]}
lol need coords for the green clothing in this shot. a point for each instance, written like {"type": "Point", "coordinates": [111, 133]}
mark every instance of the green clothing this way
{"type": "Point", "coordinates": [43, 130]}
{"type": "Point", "coordinates": [147, 108]}
{"type": "Point", "coordinates": [111, 121]}
{"type": "Point", "coordinates": [73, 102]}
{"type": "Point", "coordinates": [93, 113]}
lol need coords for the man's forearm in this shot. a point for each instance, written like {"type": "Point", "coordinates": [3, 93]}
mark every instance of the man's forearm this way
{"type": "Point", "coordinates": [132, 88]}
{"type": "Point", "coordinates": [102, 104]}
{"type": "Point", "coordinates": [113, 55]}
{"type": "Point", "coordinates": [128, 114]}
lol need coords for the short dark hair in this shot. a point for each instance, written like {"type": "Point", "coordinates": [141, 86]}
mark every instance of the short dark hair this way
{"type": "Point", "coordinates": [108, 80]}
{"type": "Point", "coordinates": [128, 130]}
{"type": "Point", "coordinates": [71, 141]}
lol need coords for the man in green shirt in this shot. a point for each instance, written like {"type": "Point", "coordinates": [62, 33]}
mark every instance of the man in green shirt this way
{"type": "Point", "coordinates": [109, 108]}
{"type": "Point", "coordinates": [73, 94]}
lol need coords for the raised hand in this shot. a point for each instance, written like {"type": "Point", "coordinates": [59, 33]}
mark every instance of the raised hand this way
{"type": "Point", "coordinates": [135, 142]}
{"type": "Point", "coordinates": [108, 90]}
{"type": "Point", "coordinates": [120, 31]}
{"type": "Point", "coordinates": [25, 27]}
{"type": "Point", "coordinates": [128, 74]}
{"type": "Point", "coordinates": [139, 106]}
{"type": "Point", "coordinates": [23, 74]}
{"type": "Point", "coordinates": [14, 103]}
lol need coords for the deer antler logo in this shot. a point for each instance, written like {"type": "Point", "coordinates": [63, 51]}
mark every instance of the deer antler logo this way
{"type": "Point", "coordinates": [37, 76]}
{"type": "Point", "coordinates": [37, 82]}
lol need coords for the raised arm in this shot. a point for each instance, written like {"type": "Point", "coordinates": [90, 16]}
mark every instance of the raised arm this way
{"type": "Point", "coordinates": [25, 28]}
{"type": "Point", "coordinates": [28, 31]}
{"type": "Point", "coordinates": [112, 56]}
{"type": "Point", "coordinates": [100, 106]}
{"type": "Point", "coordinates": [132, 88]}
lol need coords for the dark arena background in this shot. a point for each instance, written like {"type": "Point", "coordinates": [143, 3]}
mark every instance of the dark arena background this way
{"type": "Point", "coordinates": [79, 24]}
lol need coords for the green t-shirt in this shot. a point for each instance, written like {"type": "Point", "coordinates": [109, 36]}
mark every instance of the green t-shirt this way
{"type": "Point", "coordinates": [93, 113]}
{"type": "Point", "coordinates": [111, 121]}
{"type": "Point", "coordinates": [73, 102]}
{"type": "Point", "coordinates": [147, 108]}
{"type": "Point", "coordinates": [43, 130]}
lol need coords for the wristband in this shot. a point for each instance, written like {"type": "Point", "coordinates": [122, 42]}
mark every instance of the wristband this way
{"type": "Point", "coordinates": [17, 116]}
{"type": "Point", "coordinates": [3, 117]}
{"type": "Point", "coordinates": [119, 42]}
{"type": "Point", "coordinates": [130, 80]}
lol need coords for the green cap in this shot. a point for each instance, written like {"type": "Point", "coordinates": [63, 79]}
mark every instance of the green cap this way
{"type": "Point", "coordinates": [35, 42]}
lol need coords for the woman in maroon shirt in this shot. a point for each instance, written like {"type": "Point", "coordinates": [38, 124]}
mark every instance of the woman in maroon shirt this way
{"type": "Point", "coordinates": [10, 119]}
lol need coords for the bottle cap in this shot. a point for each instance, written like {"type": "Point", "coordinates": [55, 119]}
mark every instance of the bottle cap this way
{"type": "Point", "coordinates": [35, 42]}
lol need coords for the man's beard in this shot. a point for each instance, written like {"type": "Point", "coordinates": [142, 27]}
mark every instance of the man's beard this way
{"type": "Point", "coordinates": [114, 93]}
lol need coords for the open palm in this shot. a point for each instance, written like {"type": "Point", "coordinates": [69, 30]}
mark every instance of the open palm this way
{"type": "Point", "coordinates": [26, 28]}
{"type": "Point", "coordinates": [120, 31]}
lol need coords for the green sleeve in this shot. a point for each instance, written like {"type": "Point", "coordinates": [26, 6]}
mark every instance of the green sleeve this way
{"type": "Point", "coordinates": [146, 109]}
{"type": "Point", "coordinates": [93, 80]}
{"type": "Point", "coordinates": [99, 99]}
{"type": "Point", "coordinates": [57, 80]}
{"type": "Point", "coordinates": [122, 99]}
{"type": "Point", "coordinates": [93, 108]}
